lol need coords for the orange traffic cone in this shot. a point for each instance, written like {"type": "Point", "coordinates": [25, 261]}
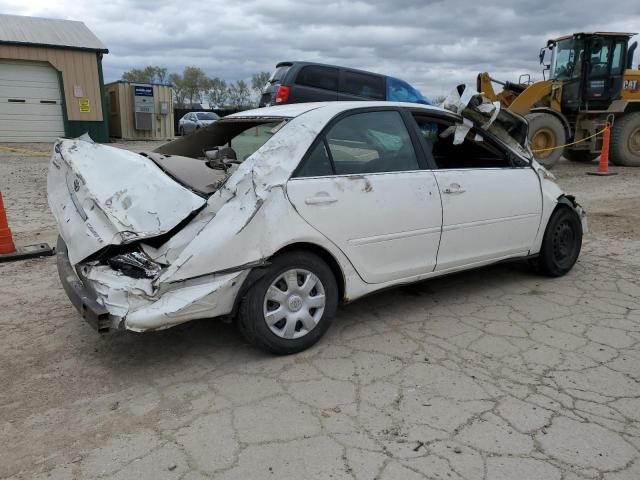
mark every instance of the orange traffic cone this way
{"type": "Point", "coordinates": [603, 166]}
{"type": "Point", "coordinates": [6, 239]}
{"type": "Point", "coordinates": [8, 250]}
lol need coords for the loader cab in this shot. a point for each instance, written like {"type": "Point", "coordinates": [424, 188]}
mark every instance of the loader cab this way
{"type": "Point", "coordinates": [591, 68]}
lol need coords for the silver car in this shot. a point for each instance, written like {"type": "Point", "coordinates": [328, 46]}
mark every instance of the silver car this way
{"type": "Point", "coordinates": [193, 121]}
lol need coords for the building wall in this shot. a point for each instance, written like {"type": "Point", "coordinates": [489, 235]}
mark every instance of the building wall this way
{"type": "Point", "coordinates": [77, 68]}
{"type": "Point", "coordinates": [121, 115]}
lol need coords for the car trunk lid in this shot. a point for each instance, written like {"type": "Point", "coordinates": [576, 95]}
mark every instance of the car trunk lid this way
{"type": "Point", "coordinates": [103, 196]}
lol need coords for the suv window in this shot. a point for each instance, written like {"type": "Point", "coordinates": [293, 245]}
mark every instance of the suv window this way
{"type": "Point", "coordinates": [371, 142]}
{"type": "Point", "coordinates": [278, 75]}
{"type": "Point", "coordinates": [363, 85]}
{"type": "Point", "coordinates": [474, 152]}
{"type": "Point", "coordinates": [318, 77]}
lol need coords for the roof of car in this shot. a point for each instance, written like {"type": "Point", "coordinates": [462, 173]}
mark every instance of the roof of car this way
{"type": "Point", "coordinates": [296, 109]}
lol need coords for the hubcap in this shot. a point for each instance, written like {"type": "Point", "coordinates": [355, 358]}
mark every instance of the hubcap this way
{"type": "Point", "coordinates": [563, 242]}
{"type": "Point", "coordinates": [542, 139]}
{"type": "Point", "coordinates": [294, 303]}
{"type": "Point", "coordinates": [634, 141]}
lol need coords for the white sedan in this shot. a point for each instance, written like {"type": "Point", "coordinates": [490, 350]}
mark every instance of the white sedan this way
{"type": "Point", "coordinates": [192, 121]}
{"type": "Point", "coordinates": [273, 217]}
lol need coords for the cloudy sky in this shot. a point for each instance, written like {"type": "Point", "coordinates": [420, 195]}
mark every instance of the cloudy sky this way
{"type": "Point", "coordinates": [433, 44]}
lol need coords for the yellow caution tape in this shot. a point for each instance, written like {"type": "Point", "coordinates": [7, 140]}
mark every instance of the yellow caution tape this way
{"type": "Point", "coordinates": [569, 144]}
{"type": "Point", "coordinates": [25, 150]}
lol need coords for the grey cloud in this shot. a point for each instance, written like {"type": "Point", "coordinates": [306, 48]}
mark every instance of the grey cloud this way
{"type": "Point", "coordinates": [432, 44]}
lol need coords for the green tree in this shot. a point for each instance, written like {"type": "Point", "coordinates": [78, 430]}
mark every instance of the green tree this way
{"type": "Point", "coordinates": [194, 82]}
{"type": "Point", "coordinates": [149, 74]}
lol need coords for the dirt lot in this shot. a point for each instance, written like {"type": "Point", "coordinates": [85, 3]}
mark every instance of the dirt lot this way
{"type": "Point", "coordinates": [496, 374]}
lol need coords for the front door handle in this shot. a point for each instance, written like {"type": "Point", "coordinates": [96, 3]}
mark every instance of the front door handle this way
{"type": "Point", "coordinates": [321, 198]}
{"type": "Point", "coordinates": [453, 189]}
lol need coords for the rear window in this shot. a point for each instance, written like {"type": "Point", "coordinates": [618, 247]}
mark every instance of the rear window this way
{"type": "Point", "coordinates": [363, 85]}
{"type": "Point", "coordinates": [249, 141]}
{"type": "Point", "coordinates": [279, 74]}
{"type": "Point", "coordinates": [318, 77]}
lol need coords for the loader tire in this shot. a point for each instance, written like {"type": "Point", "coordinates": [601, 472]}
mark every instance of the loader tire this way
{"type": "Point", "coordinates": [580, 156]}
{"type": "Point", "coordinates": [546, 131]}
{"type": "Point", "coordinates": [625, 141]}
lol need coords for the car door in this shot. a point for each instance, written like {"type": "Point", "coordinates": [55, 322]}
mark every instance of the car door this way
{"type": "Point", "coordinates": [190, 123]}
{"type": "Point", "coordinates": [364, 186]}
{"type": "Point", "coordinates": [491, 199]}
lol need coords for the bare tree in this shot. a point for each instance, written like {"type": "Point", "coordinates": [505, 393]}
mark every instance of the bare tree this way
{"type": "Point", "coordinates": [258, 82]}
{"type": "Point", "coordinates": [178, 89]}
{"type": "Point", "coordinates": [239, 93]}
{"type": "Point", "coordinates": [218, 92]}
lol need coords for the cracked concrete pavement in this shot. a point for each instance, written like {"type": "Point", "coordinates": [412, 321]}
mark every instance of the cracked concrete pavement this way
{"type": "Point", "coordinates": [494, 374]}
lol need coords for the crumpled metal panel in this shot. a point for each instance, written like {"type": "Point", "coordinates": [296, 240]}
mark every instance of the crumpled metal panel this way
{"type": "Point", "coordinates": [103, 195]}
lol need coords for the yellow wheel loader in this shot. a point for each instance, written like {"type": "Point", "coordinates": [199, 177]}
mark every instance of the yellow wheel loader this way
{"type": "Point", "coordinates": [591, 79]}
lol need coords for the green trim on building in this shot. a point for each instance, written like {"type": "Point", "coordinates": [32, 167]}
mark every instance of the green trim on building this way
{"type": "Point", "coordinates": [97, 130]}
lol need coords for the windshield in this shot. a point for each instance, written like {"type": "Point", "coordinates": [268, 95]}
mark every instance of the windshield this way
{"type": "Point", "coordinates": [566, 60]}
{"type": "Point", "coordinates": [207, 116]}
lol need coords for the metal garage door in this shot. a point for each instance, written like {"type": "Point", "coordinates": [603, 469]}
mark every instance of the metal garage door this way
{"type": "Point", "coordinates": [30, 102]}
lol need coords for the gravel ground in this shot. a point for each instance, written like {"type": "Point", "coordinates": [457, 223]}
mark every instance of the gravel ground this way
{"type": "Point", "coordinates": [494, 374]}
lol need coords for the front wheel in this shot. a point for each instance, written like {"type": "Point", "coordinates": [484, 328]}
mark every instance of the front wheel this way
{"type": "Point", "coordinates": [546, 137]}
{"type": "Point", "coordinates": [561, 243]}
{"type": "Point", "coordinates": [291, 306]}
{"type": "Point", "coordinates": [625, 141]}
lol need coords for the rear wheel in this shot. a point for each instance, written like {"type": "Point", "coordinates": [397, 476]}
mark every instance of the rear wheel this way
{"type": "Point", "coordinates": [561, 243]}
{"type": "Point", "coordinates": [546, 132]}
{"type": "Point", "coordinates": [291, 306]}
{"type": "Point", "coordinates": [581, 156]}
{"type": "Point", "coordinates": [625, 141]}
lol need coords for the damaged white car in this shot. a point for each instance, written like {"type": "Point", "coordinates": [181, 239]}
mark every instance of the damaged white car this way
{"type": "Point", "coordinates": [273, 217]}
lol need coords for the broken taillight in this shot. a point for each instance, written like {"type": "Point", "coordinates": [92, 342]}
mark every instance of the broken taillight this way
{"type": "Point", "coordinates": [282, 95]}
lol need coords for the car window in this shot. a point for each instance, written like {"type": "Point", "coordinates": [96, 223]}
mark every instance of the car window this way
{"type": "Point", "coordinates": [251, 139]}
{"type": "Point", "coordinates": [474, 152]}
{"type": "Point", "coordinates": [278, 74]}
{"type": "Point", "coordinates": [363, 85]}
{"type": "Point", "coordinates": [400, 91]}
{"type": "Point", "coordinates": [370, 142]}
{"type": "Point", "coordinates": [207, 116]}
{"type": "Point", "coordinates": [318, 77]}
{"type": "Point", "coordinates": [317, 163]}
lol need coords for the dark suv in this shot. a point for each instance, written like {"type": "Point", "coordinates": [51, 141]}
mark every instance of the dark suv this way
{"type": "Point", "coordinates": [298, 82]}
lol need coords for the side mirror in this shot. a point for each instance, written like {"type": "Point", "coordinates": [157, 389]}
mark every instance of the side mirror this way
{"type": "Point", "coordinates": [543, 52]}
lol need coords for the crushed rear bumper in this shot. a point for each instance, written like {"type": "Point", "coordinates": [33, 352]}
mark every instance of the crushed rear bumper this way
{"type": "Point", "coordinates": [84, 299]}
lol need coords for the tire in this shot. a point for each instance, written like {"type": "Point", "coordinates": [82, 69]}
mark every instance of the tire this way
{"type": "Point", "coordinates": [561, 243]}
{"type": "Point", "coordinates": [279, 290]}
{"type": "Point", "coordinates": [625, 141]}
{"type": "Point", "coordinates": [181, 131]}
{"type": "Point", "coordinates": [546, 131]}
{"type": "Point", "coordinates": [580, 156]}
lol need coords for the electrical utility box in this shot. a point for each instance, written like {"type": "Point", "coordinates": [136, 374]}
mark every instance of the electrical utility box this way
{"type": "Point", "coordinates": [143, 106]}
{"type": "Point", "coordinates": [140, 111]}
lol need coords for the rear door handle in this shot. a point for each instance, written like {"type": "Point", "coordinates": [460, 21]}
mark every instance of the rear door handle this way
{"type": "Point", "coordinates": [321, 198]}
{"type": "Point", "coordinates": [453, 189]}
